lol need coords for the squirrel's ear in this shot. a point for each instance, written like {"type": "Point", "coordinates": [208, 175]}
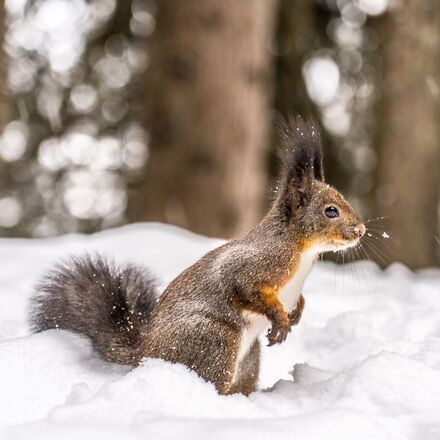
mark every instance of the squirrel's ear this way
{"type": "Point", "coordinates": [301, 155]}
{"type": "Point", "coordinates": [301, 184]}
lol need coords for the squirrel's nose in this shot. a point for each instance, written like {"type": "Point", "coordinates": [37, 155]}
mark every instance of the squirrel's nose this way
{"type": "Point", "coordinates": [360, 230]}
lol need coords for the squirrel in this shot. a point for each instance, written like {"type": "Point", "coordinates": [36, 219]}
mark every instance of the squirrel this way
{"type": "Point", "coordinates": [209, 318]}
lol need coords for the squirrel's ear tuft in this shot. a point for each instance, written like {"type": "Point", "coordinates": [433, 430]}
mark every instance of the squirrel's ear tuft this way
{"type": "Point", "coordinates": [301, 153]}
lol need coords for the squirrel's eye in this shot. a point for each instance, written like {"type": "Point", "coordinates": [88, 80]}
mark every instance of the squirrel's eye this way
{"type": "Point", "coordinates": [331, 212]}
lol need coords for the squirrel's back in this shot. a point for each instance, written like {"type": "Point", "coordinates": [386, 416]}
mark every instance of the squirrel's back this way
{"type": "Point", "coordinates": [95, 297]}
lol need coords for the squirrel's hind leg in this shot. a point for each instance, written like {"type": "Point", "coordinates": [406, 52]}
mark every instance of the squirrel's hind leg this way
{"type": "Point", "coordinates": [248, 372]}
{"type": "Point", "coordinates": [206, 345]}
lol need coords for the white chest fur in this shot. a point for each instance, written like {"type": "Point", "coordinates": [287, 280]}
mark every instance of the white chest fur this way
{"type": "Point", "coordinates": [288, 296]}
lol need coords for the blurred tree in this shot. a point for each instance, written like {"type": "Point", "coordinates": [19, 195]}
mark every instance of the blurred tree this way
{"type": "Point", "coordinates": [3, 94]}
{"type": "Point", "coordinates": [408, 129]}
{"type": "Point", "coordinates": [209, 87]}
{"type": "Point", "coordinates": [73, 141]}
{"type": "Point", "coordinates": [3, 69]}
{"type": "Point", "coordinates": [296, 38]}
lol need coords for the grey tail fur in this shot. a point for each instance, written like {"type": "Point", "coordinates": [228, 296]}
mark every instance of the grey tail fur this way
{"type": "Point", "coordinates": [95, 297]}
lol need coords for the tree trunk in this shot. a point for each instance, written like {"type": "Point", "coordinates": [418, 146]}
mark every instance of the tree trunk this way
{"type": "Point", "coordinates": [408, 127]}
{"type": "Point", "coordinates": [208, 115]}
{"type": "Point", "coordinates": [296, 38]}
{"type": "Point", "coordinates": [4, 108]}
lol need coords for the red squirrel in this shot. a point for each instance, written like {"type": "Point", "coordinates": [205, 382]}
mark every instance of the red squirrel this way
{"type": "Point", "coordinates": [210, 316]}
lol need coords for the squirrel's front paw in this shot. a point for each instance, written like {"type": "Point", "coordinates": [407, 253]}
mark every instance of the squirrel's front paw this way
{"type": "Point", "coordinates": [278, 332]}
{"type": "Point", "coordinates": [295, 315]}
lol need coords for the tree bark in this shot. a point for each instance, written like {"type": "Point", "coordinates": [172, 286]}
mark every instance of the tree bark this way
{"type": "Point", "coordinates": [408, 127]}
{"type": "Point", "coordinates": [209, 88]}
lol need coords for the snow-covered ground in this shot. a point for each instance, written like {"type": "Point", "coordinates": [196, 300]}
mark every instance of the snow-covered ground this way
{"type": "Point", "coordinates": [364, 363]}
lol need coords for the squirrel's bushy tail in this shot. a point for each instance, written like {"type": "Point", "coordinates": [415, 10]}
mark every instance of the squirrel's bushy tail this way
{"type": "Point", "coordinates": [92, 296]}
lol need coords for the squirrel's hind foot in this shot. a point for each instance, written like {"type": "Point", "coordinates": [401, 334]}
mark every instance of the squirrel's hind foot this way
{"type": "Point", "coordinates": [296, 313]}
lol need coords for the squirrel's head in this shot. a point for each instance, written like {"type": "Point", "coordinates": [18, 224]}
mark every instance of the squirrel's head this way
{"type": "Point", "coordinates": [316, 211]}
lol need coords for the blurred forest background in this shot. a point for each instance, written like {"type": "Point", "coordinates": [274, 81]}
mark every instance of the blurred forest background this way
{"type": "Point", "coordinates": [117, 111]}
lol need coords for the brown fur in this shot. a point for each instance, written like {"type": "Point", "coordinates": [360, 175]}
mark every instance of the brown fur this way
{"type": "Point", "coordinates": [296, 314]}
{"type": "Point", "coordinates": [248, 371]}
{"type": "Point", "coordinates": [200, 318]}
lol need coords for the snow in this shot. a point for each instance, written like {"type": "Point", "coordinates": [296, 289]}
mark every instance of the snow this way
{"type": "Point", "coordinates": [365, 359]}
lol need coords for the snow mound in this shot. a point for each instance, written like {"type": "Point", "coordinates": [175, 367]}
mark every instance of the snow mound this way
{"type": "Point", "coordinates": [363, 363]}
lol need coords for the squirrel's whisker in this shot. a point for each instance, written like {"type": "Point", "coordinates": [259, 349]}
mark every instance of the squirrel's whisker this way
{"type": "Point", "coordinates": [380, 235]}
{"type": "Point", "coordinates": [365, 270]}
{"type": "Point", "coordinates": [376, 252]}
{"type": "Point", "coordinates": [351, 266]}
{"type": "Point", "coordinates": [376, 218]}
{"type": "Point", "coordinates": [387, 250]}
